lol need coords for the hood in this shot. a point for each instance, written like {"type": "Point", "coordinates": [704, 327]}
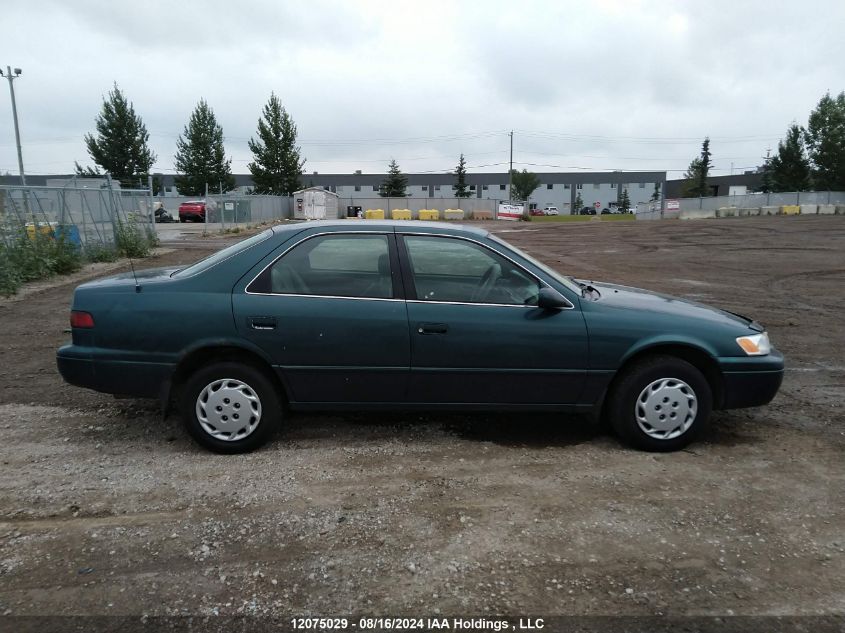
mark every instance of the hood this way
{"type": "Point", "coordinates": [626, 297]}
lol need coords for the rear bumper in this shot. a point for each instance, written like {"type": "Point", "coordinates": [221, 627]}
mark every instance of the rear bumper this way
{"type": "Point", "coordinates": [80, 367]}
{"type": "Point", "coordinates": [751, 381]}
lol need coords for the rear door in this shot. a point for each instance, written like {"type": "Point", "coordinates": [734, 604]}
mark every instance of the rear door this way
{"type": "Point", "coordinates": [330, 314]}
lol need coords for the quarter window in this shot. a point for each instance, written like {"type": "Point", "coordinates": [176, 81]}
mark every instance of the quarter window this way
{"type": "Point", "coordinates": [332, 265]}
{"type": "Point", "coordinates": [450, 269]}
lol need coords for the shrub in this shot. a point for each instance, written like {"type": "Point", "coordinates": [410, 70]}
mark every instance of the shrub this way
{"type": "Point", "coordinates": [30, 258]}
{"type": "Point", "coordinates": [100, 253]}
{"type": "Point", "coordinates": [131, 241]}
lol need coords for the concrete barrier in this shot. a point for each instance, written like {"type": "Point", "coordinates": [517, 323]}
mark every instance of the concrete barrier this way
{"type": "Point", "coordinates": [769, 210]}
{"type": "Point", "coordinates": [429, 214]}
{"type": "Point", "coordinates": [400, 214]}
{"type": "Point", "coordinates": [696, 214]}
{"type": "Point", "coordinates": [747, 211]}
{"type": "Point", "coordinates": [453, 214]}
{"type": "Point", "coordinates": [840, 209]}
{"type": "Point", "coordinates": [809, 209]}
{"type": "Point", "coordinates": [827, 209]}
{"type": "Point", "coordinates": [725, 212]}
{"type": "Point", "coordinates": [374, 214]}
{"type": "Point", "coordinates": [482, 215]}
{"type": "Point", "coordinates": [790, 209]}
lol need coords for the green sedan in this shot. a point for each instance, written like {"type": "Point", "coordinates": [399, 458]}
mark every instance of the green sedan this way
{"type": "Point", "coordinates": [347, 315]}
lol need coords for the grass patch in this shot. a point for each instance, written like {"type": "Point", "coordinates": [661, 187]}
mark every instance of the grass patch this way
{"type": "Point", "coordinates": [612, 217]}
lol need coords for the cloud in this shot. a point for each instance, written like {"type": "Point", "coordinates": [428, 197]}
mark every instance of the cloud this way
{"type": "Point", "coordinates": [611, 84]}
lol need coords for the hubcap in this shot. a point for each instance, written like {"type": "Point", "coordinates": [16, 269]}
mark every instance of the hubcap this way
{"type": "Point", "coordinates": [228, 409]}
{"type": "Point", "coordinates": [666, 408]}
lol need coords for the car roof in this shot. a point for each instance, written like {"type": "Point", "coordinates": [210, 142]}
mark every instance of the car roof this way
{"type": "Point", "coordinates": [415, 226]}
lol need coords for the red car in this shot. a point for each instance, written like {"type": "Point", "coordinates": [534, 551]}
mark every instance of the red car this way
{"type": "Point", "coordinates": [192, 211]}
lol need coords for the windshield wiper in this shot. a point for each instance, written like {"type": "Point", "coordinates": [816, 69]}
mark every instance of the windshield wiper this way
{"type": "Point", "coordinates": [586, 288]}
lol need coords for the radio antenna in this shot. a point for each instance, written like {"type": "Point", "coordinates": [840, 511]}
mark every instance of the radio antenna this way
{"type": "Point", "coordinates": [134, 276]}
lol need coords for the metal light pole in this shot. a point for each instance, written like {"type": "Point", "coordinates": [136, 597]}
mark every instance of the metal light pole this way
{"type": "Point", "coordinates": [8, 75]}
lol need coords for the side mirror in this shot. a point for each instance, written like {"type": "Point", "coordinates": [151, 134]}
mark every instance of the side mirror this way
{"type": "Point", "coordinates": [549, 299]}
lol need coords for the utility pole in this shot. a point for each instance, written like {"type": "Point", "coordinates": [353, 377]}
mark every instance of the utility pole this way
{"type": "Point", "coordinates": [510, 171]}
{"type": "Point", "coordinates": [8, 75]}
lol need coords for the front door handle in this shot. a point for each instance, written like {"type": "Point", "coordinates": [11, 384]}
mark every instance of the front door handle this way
{"type": "Point", "coordinates": [262, 323]}
{"type": "Point", "coordinates": [432, 328]}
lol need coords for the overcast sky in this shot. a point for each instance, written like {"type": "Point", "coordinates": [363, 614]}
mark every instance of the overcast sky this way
{"type": "Point", "coordinates": [607, 84]}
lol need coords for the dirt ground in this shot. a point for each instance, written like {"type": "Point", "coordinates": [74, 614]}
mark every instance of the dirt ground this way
{"type": "Point", "coordinates": [105, 508]}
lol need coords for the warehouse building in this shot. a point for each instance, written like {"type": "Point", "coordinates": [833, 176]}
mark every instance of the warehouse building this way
{"type": "Point", "coordinates": [561, 189]}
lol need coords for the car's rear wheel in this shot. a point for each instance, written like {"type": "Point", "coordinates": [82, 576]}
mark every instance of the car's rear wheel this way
{"type": "Point", "coordinates": [230, 407]}
{"type": "Point", "coordinates": [661, 403]}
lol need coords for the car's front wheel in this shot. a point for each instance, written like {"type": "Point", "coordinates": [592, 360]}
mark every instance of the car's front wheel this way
{"type": "Point", "coordinates": [661, 403]}
{"type": "Point", "coordinates": [230, 407]}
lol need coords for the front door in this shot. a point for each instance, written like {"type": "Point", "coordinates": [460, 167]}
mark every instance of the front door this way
{"type": "Point", "coordinates": [477, 336]}
{"type": "Point", "coordinates": [329, 314]}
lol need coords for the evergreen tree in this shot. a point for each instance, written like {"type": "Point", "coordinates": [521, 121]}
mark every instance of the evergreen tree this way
{"type": "Point", "coordinates": [523, 184]}
{"type": "Point", "coordinates": [655, 195]}
{"type": "Point", "coordinates": [825, 138]}
{"type": "Point", "coordinates": [395, 184]}
{"type": "Point", "coordinates": [767, 185]}
{"type": "Point", "coordinates": [120, 146]}
{"type": "Point", "coordinates": [790, 169]}
{"type": "Point", "coordinates": [579, 204]}
{"type": "Point", "coordinates": [278, 163]}
{"type": "Point", "coordinates": [200, 156]}
{"type": "Point", "coordinates": [624, 200]}
{"type": "Point", "coordinates": [460, 187]}
{"type": "Point", "coordinates": [87, 172]}
{"type": "Point", "coordinates": [697, 173]}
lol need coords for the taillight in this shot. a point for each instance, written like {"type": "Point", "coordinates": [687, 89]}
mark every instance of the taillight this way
{"type": "Point", "coordinates": [81, 319]}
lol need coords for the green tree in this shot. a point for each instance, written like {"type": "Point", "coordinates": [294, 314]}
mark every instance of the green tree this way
{"type": "Point", "coordinates": [579, 204]}
{"type": "Point", "coordinates": [624, 200]}
{"type": "Point", "coordinates": [790, 169]}
{"type": "Point", "coordinates": [395, 183]}
{"type": "Point", "coordinates": [200, 156]}
{"type": "Point", "coordinates": [697, 173]}
{"type": "Point", "coordinates": [460, 187]}
{"type": "Point", "coordinates": [825, 138]}
{"type": "Point", "coordinates": [767, 184]}
{"type": "Point", "coordinates": [87, 171]}
{"type": "Point", "coordinates": [655, 195]}
{"type": "Point", "coordinates": [277, 160]}
{"type": "Point", "coordinates": [523, 184]}
{"type": "Point", "coordinates": [120, 145]}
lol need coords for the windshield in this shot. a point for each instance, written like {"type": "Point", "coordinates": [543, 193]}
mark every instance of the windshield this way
{"type": "Point", "coordinates": [549, 271]}
{"type": "Point", "coordinates": [219, 256]}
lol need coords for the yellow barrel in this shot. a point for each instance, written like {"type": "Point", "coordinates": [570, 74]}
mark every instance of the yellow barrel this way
{"type": "Point", "coordinates": [400, 214]}
{"type": "Point", "coordinates": [42, 228]}
{"type": "Point", "coordinates": [429, 214]}
{"type": "Point", "coordinates": [374, 214]}
{"type": "Point", "coordinates": [790, 209]}
{"type": "Point", "coordinates": [453, 214]}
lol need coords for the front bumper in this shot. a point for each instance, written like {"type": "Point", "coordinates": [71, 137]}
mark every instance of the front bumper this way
{"type": "Point", "coordinates": [80, 366]}
{"type": "Point", "coordinates": [750, 381]}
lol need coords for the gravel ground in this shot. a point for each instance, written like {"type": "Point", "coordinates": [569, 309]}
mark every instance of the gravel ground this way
{"type": "Point", "coordinates": [105, 508]}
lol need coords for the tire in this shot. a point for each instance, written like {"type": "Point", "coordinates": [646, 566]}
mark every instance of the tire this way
{"type": "Point", "coordinates": [655, 386]}
{"type": "Point", "coordinates": [237, 387]}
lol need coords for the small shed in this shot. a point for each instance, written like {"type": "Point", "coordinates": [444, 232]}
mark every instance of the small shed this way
{"type": "Point", "coordinates": [314, 203]}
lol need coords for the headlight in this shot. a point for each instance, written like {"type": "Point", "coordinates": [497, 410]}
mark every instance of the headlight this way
{"type": "Point", "coordinates": [755, 345]}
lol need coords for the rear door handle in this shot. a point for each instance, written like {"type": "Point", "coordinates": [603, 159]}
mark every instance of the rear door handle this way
{"type": "Point", "coordinates": [262, 323]}
{"type": "Point", "coordinates": [432, 328]}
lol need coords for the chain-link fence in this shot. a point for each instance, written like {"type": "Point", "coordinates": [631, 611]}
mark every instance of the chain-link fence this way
{"type": "Point", "coordinates": [87, 217]}
{"type": "Point", "coordinates": [763, 200]}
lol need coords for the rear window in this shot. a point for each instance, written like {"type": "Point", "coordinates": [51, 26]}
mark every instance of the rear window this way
{"type": "Point", "coordinates": [226, 253]}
